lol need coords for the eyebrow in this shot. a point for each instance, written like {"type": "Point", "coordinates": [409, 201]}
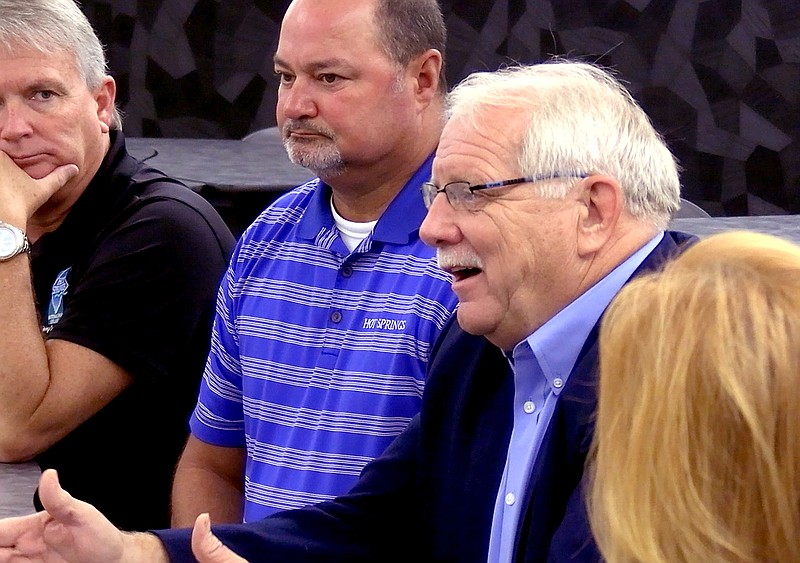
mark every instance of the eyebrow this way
{"type": "Point", "coordinates": [47, 83]}
{"type": "Point", "coordinates": [316, 66]}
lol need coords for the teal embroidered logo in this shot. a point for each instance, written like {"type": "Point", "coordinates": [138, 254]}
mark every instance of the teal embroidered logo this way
{"type": "Point", "coordinates": [56, 309]}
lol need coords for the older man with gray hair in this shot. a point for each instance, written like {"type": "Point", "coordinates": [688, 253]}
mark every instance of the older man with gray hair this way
{"type": "Point", "coordinates": [108, 272]}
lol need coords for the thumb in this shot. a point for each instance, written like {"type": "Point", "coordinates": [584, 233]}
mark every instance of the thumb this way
{"type": "Point", "coordinates": [58, 502]}
{"type": "Point", "coordinates": [50, 184]}
{"type": "Point", "coordinates": [58, 177]}
{"type": "Point", "coordinates": [206, 547]}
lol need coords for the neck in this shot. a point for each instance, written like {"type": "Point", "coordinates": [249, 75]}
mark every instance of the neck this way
{"type": "Point", "coordinates": [362, 194]}
{"type": "Point", "coordinates": [631, 235]}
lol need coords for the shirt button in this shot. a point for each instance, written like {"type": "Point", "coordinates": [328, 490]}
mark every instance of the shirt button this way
{"type": "Point", "coordinates": [510, 499]}
{"type": "Point", "coordinates": [528, 407]}
{"type": "Point", "coordinates": [558, 382]}
{"type": "Point", "coordinates": [347, 271]}
{"type": "Point", "coordinates": [336, 316]}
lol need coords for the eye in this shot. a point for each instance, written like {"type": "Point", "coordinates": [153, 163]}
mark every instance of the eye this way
{"type": "Point", "coordinates": [284, 77]}
{"type": "Point", "coordinates": [468, 196]}
{"type": "Point", "coordinates": [329, 78]}
{"type": "Point", "coordinates": [44, 95]}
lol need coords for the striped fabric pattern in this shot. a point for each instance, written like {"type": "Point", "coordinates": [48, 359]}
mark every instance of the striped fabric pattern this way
{"type": "Point", "coordinates": [318, 355]}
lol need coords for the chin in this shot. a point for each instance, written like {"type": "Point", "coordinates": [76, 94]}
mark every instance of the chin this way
{"type": "Point", "coordinates": [471, 320]}
{"type": "Point", "coordinates": [39, 171]}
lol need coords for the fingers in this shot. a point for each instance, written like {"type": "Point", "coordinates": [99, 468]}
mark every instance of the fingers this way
{"type": "Point", "coordinates": [207, 548]}
{"type": "Point", "coordinates": [20, 532]}
{"type": "Point", "coordinates": [21, 195]}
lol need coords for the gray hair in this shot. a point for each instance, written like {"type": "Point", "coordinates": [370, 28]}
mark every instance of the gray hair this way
{"type": "Point", "coordinates": [407, 28]}
{"type": "Point", "coordinates": [51, 26]}
{"type": "Point", "coordinates": [579, 118]}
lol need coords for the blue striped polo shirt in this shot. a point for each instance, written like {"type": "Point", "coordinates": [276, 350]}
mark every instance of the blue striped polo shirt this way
{"type": "Point", "coordinates": [318, 355]}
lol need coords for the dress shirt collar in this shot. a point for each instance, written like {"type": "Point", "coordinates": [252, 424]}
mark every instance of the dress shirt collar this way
{"type": "Point", "coordinates": [557, 343]}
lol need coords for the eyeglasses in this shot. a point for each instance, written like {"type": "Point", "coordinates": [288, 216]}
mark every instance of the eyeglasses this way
{"type": "Point", "coordinates": [461, 195]}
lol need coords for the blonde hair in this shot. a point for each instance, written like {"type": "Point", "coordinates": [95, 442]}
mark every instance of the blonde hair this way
{"type": "Point", "coordinates": [697, 445]}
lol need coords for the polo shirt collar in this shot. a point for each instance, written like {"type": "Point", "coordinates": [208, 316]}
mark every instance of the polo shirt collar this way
{"type": "Point", "coordinates": [399, 224]}
{"type": "Point", "coordinates": [103, 191]}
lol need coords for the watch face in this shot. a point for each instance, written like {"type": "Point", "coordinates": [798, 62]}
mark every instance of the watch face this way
{"type": "Point", "coordinates": [8, 242]}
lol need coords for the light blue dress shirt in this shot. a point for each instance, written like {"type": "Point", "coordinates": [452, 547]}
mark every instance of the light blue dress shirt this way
{"type": "Point", "coordinates": [542, 364]}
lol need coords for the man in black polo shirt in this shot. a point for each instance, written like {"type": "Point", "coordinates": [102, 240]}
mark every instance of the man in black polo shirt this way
{"type": "Point", "coordinates": [108, 273]}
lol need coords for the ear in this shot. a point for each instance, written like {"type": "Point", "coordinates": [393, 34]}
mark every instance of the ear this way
{"type": "Point", "coordinates": [105, 95]}
{"type": "Point", "coordinates": [602, 206]}
{"type": "Point", "coordinates": [424, 72]}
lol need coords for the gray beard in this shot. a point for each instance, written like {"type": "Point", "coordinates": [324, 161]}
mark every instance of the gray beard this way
{"type": "Point", "coordinates": [322, 158]}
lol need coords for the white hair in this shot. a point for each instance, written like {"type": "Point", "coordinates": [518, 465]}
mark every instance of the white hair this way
{"type": "Point", "coordinates": [50, 26]}
{"type": "Point", "coordinates": [579, 118]}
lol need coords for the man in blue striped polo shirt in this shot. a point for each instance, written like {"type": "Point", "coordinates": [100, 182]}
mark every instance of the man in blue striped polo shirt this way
{"type": "Point", "coordinates": [331, 304]}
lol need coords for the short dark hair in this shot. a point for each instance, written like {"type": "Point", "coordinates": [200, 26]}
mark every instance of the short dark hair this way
{"type": "Point", "coordinates": [410, 27]}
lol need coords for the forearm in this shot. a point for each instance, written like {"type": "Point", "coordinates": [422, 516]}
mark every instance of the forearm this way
{"type": "Point", "coordinates": [141, 547]}
{"type": "Point", "coordinates": [24, 369]}
{"type": "Point", "coordinates": [222, 496]}
{"type": "Point", "coordinates": [46, 389]}
{"type": "Point", "coordinates": [26, 373]}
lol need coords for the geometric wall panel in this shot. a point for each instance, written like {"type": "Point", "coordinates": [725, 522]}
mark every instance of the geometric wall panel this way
{"type": "Point", "coordinates": [719, 78]}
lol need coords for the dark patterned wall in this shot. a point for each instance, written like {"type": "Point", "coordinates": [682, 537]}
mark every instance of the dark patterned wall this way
{"type": "Point", "coordinates": [720, 78]}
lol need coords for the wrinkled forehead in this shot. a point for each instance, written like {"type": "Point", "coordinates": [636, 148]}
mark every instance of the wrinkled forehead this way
{"type": "Point", "coordinates": [61, 61]}
{"type": "Point", "coordinates": [479, 146]}
{"type": "Point", "coordinates": [16, 49]}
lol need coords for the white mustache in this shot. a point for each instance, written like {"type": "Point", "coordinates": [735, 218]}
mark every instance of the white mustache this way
{"type": "Point", "coordinates": [451, 259]}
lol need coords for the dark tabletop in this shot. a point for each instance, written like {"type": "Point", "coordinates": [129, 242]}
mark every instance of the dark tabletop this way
{"type": "Point", "coordinates": [258, 165]}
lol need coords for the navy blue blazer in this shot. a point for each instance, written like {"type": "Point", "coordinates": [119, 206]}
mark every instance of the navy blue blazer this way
{"type": "Point", "coordinates": [431, 495]}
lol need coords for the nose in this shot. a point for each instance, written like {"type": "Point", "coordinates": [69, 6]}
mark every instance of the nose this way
{"type": "Point", "coordinates": [14, 121]}
{"type": "Point", "coordinates": [440, 227]}
{"type": "Point", "coordinates": [296, 101]}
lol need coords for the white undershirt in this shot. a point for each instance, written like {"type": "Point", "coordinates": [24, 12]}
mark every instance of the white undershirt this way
{"type": "Point", "coordinates": [352, 233]}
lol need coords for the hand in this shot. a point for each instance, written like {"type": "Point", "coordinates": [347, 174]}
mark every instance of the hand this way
{"type": "Point", "coordinates": [21, 195]}
{"type": "Point", "coordinates": [207, 548]}
{"type": "Point", "coordinates": [69, 531]}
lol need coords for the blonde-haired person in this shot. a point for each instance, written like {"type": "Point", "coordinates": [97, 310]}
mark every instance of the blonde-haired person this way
{"type": "Point", "coordinates": [698, 431]}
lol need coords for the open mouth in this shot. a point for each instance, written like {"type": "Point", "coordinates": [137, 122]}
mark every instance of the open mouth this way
{"type": "Point", "coordinates": [462, 265]}
{"type": "Point", "coordinates": [461, 274]}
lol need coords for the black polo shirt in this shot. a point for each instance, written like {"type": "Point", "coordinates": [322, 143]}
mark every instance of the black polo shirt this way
{"type": "Point", "coordinates": [132, 274]}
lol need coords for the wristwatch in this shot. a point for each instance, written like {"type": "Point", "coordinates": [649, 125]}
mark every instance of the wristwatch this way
{"type": "Point", "coordinates": [12, 242]}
